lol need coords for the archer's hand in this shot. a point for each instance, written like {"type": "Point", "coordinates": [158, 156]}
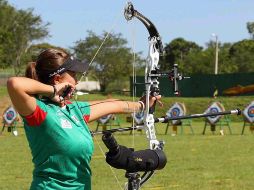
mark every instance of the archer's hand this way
{"type": "Point", "coordinates": [152, 100]}
{"type": "Point", "coordinates": [155, 99]}
{"type": "Point", "coordinates": [61, 90]}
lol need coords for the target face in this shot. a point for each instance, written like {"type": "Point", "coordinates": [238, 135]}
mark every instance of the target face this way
{"type": "Point", "coordinates": [175, 112]}
{"type": "Point", "coordinates": [138, 117]}
{"type": "Point", "coordinates": [214, 108]}
{"type": "Point", "coordinates": [10, 115]}
{"type": "Point", "coordinates": [104, 119]}
{"type": "Point", "coordinates": [248, 112]}
{"type": "Point", "coordinates": [178, 109]}
{"type": "Point", "coordinates": [251, 111]}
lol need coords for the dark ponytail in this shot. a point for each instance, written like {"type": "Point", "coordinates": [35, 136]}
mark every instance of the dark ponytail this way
{"type": "Point", "coordinates": [30, 71]}
{"type": "Point", "coordinates": [48, 60]}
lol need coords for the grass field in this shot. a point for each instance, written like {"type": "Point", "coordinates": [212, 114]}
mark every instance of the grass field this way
{"type": "Point", "coordinates": [207, 162]}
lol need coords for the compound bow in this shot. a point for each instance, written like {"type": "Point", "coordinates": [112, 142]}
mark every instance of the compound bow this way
{"type": "Point", "coordinates": [152, 73]}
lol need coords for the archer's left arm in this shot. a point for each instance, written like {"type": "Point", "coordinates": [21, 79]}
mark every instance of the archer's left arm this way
{"type": "Point", "coordinates": [112, 106]}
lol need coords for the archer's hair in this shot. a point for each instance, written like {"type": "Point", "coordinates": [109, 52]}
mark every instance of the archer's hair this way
{"type": "Point", "coordinates": [48, 61]}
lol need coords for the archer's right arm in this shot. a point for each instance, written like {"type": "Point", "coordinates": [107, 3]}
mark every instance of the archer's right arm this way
{"type": "Point", "coordinates": [22, 90]}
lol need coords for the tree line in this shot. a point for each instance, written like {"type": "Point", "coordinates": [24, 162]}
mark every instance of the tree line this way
{"type": "Point", "coordinates": [21, 30]}
{"type": "Point", "coordinates": [235, 57]}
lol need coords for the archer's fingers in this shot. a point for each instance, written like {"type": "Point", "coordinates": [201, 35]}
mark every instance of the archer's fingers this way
{"type": "Point", "coordinates": [155, 98]}
{"type": "Point", "coordinates": [160, 103]}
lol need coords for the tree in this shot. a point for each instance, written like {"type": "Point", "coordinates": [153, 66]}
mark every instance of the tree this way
{"type": "Point", "coordinates": [241, 55]}
{"type": "Point", "coordinates": [19, 28]}
{"type": "Point", "coordinates": [112, 63]}
{"type": "Point", "coordinates": [176, 52]}
{"type": "Point", "coordinates": [250, 28]}
{"type": "Point", "coordinates": [6, 19]}
{"type": "Point", "coordinates": [198, 62]}
{"type": "Point", "coordinates": [34, 50]}
{"type": "Point", "coordinates": [225, 63]}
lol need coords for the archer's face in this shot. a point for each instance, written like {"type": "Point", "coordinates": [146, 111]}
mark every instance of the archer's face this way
{"type": "Point", "coordinates": [68, 76]}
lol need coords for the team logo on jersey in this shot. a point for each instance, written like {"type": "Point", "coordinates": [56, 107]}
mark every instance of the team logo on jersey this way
{"type": "Point", "coordinates": [66, 124]}
{"type": "Point", "coordinates": [59, 113]}
{"type": "Point", "coordinates": [75, 118]}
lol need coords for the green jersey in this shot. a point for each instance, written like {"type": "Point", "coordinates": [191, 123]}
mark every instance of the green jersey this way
{"type": "Point", "coordinates": [61, 146]}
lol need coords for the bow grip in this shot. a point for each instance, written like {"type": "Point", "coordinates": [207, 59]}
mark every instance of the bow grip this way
{"type": "Point", "coordinates": [153, 94]}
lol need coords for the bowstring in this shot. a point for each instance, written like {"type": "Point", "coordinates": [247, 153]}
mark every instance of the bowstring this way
{"type": "Point", "coordinates": [98, 50]}
{"type": "Point", "coordinates": [134, 80]}
{"type": "Point", "coordinates": [117, 18]}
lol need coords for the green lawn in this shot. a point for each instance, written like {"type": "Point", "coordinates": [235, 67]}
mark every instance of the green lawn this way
{"type": "Point", "coordinates": [207, 162]}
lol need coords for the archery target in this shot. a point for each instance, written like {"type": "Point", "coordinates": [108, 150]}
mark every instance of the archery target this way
{"type": "Point", "coordinates": [176, 110]}
{"type": "Point", "coordinates": [214, 108]}
{"type": "Point", "coordinates": [138, 117]}
{"type": "Point", "coordinates": [10, 115]}
{"type": "Point", "coordinates": [248, 112]}
{"type": "Point", "coordinates": [105, 119]}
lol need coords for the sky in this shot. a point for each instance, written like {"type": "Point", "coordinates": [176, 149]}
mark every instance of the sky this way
{"type": "Point", "coordinates": [194, 20]}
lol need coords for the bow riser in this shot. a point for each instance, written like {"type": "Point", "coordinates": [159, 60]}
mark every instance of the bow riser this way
{"type": "Point", "coordinates": [152, 88]}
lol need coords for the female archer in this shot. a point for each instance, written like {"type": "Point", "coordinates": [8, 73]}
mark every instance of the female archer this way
{"type": "Point", "coordinates": [56, 128]}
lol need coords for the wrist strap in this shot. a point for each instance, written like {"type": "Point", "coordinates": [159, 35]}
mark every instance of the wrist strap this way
{"type": "Point", "coordinates": [54, 92]}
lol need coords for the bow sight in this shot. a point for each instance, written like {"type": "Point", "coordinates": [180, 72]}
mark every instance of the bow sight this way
{"type": "Point", "coordinates": [173, 76]}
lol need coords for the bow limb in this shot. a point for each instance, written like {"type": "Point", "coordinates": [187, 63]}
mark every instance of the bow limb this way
{"type": "Point", "coordinates": [130, 12]}
{"type": "Point", "coordinates": [152, 89]}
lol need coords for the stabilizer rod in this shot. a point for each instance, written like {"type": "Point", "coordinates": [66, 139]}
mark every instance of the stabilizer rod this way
{"type": "Point", "coordinates": [167, 119]}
